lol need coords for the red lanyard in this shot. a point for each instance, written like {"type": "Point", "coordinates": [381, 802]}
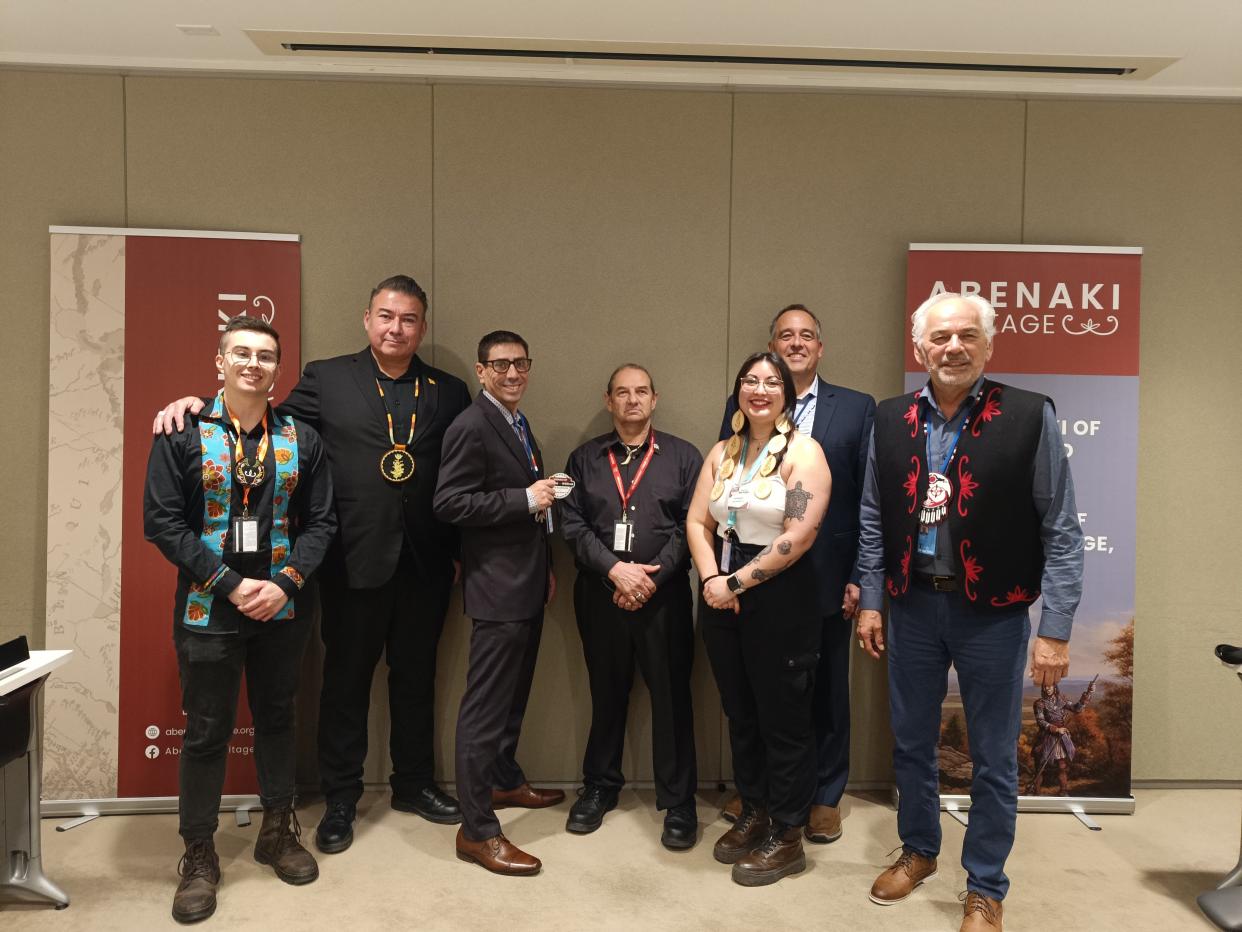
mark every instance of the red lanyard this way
{"type": "Point", "coordinates": [638, 476]}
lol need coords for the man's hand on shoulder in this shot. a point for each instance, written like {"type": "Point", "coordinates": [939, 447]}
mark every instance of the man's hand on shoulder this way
{"type": "Point", "coordinates": [172, 419]}
{"type": "Point", "coordinates": [1049, 661]}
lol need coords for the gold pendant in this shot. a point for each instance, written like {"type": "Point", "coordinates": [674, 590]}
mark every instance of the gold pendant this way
{"type": "Point", "coordinates": [763, 488]}
{"type": "Point", "coordinates": [782, 424]}
{"type": "Point", "coordinates": [739, 421]}
{"type": "Point", "coordinates": [249, 472]}
{"type": "Point", "coordinates": [717, 490]}
{"type": "Point", "coordinates": [768, 467]}
{"type": "Point", "coordinates": [726, 469]}
{"type": "Point", "coordinates": [396, 465]}
{"type": "Point", "coordinates": [778, 444]}
{"type": "Point", "coordinates": [731, 448]}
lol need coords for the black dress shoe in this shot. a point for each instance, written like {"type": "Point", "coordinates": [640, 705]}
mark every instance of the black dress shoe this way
{"type": "Point", "coordinates": [587, 813]}
{"type": "Point", "coordinates": [681, 827]}
{"type": "Point", "coordinates": [430, 802]}
{"type": "Point", "coordinates": [336, 829]}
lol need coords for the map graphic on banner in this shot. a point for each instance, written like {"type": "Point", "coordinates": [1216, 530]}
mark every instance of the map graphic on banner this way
{"type": "Point", "coordinates": [1067, 326]}
{"type": "Point", "coordinates": [135, 320]}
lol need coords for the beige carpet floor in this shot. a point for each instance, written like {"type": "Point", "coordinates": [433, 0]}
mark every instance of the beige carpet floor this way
{"type": "Point", "coordinates": [1142, 872]}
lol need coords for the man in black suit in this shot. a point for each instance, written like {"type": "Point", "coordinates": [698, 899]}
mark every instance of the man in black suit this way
{"type": "Point", "coordinates": [840, 420]}
{"type": "Point", "coordinates": [492, 486]}
{"type": "Point", "coordinates": [384, 585]}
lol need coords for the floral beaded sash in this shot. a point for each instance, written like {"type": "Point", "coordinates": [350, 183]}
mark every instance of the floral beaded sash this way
{"type": "Point", "coordinates": [217, 460]}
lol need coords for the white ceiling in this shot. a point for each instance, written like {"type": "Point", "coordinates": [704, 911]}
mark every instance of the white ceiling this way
{"type": "Point", "coordinates": [1200, 37]}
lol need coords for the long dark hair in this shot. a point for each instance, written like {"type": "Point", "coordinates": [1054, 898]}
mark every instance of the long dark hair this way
{"type": "Point", "coordinates": [782, 369]}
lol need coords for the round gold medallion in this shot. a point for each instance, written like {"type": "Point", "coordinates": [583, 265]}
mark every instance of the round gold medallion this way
{"type": "Point", "coordinates": [726, 469]}
{"type": "Point", "coordinates": [738, 422]}
{"type": "Point", "coordinates": [763, 488]}
{"type": "Point", "coordinates": [778, 444]}
{"type": "Point", "coordinates": [734, 444]}
{"type": "Point", "coordinates": [397, 465]}
{"type": "Point", "coordinates": [769, 466]}
{"type": "Point", "coordinates": [717, 490]}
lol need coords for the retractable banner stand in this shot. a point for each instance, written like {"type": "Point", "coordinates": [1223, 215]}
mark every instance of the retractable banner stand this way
{"type": "Point", "coordinates": [1067, 326]}
{"type": "Point", "coordinates": [135, 322]}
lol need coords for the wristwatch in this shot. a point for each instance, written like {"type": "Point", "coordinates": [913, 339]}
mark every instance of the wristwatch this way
{"type": "Point", "coordinates": [735, 585]}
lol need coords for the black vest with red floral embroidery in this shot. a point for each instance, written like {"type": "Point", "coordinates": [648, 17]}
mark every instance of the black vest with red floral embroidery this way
{"type": "Point", "coordinates": [992, 519]}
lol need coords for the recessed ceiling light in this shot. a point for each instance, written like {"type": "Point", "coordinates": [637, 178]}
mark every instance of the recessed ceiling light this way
{"type": "Point", "coordinates": [199, 30]}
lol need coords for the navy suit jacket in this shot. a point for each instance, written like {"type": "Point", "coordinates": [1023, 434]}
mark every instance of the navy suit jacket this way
{"type": "Point", "coordinates": [482, 490]}
{"type": "Point", "coordinates": [843, 420]}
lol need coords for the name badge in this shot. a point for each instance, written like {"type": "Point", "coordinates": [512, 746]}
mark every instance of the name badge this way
{"type": "Point", "coordinates": [738, 500]}
{"type": "Point", "coordinates": [927, 541]}
{"type": "Point", "coordinates": [726, 551]}
{"type": "Point", "coordinates": [622, 536]}
{"type": "Point", "coordinates": [245, 535]}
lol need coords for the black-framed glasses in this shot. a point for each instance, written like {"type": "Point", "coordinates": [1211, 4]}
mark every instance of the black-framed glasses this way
{"type": "Point", "coordinates": [522, 364]}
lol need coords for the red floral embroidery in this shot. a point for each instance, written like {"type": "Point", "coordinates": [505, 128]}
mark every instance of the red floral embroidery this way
{"type": "Point", "coordinates": [905, 570]}
{"type": "Point", "coordinates": [912, 483]}
{"type": "Point", "coordinates": [966, 485]}
{"type": "Point", "coordinates": [991, 409]}
{"type": "Point", "coordinates": [912, 417]}
{"type": "Point", "coordinates": [972, 568]}
{"type": "Point", "coordinates": [213, 475]}
{"type": "Point", "coordinates": [195, 612]}
{"type": "Point", "coordinates": [290, 433]}
{"type": "Point", "coordinates": [1013, 597]}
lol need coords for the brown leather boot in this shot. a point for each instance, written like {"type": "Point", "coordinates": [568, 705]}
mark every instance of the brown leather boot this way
{"type": "Point", "coordinates": [747, 832]}
{"type": "Point", "coordinates": [900, 880]}
{"type": "Point", "coordinates": [778, 855]}
{"type": "Point", "coordinates": [279, 845]}
{"type": "Point", "coordinates": [981, 913]}
{"type": "Point", "coordinates": [199, 869]}
{"type": "Point", "coordinates": [824, 825]}
{"type": "Point", "coordinates": [732, 809]}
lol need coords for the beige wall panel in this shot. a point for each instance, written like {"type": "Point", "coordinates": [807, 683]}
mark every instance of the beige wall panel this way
{"type": "Point", "coordinates": [346, 165]}
{"type": "Point", "coordinates": [61, 162]}
{"type": "Point", "coordinates": [595, 223]}
{"type": "Point", "coordinates": [1167, 177]}
{"type": "Point", "coordinates": [827, 193]}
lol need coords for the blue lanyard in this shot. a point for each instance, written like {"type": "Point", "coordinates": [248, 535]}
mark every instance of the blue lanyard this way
{"type": "Point", "coordinates": [953, 449]}
{"type": "Point", "coordinates": [800, 408]}
{"type": "Point", "coordinates": [732, 522]}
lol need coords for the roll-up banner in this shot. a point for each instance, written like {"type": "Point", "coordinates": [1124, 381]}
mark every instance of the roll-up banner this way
{"type": "Point", "coordinates": [135, 321]}
{"type": "Point", "coordinates": [1067, 326]}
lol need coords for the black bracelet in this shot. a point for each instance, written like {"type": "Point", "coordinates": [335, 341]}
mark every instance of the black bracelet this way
{"type": "Point", "coordinates": [703, 582]}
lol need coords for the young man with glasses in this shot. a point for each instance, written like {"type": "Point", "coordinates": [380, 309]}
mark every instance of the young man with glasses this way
{"type": "Point", "coordinates": [494, 489]}
{"type": "Point", "coordinates": [241, 503]}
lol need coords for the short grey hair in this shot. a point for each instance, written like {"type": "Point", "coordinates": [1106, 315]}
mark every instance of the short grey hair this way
{"type": "Point", "coordinates": [987, 313]}
{"type": "Point", "coordinates": [785, 310]}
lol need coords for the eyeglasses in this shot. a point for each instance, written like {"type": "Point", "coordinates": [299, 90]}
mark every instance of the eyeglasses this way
{"type": "Point", "coordinates": [240, 356]}
{"type": "Point", "coordinates": [752, 382]}
{"type": "Point", "coordinates": [502, 365]}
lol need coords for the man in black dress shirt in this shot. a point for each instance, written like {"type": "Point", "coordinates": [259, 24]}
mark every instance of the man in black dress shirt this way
{"type": "Point", "coordinates": [626, 522]}
{"type": "Point", "coordinates": [241, 504]}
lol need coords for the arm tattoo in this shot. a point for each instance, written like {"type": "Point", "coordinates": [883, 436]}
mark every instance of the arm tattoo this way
{"type": "Point", "coordinates": [795, 502]}
{"type": "Point", "coordinates": [784, 547]}
{"type": "Point", "coordinates": [759, 575]}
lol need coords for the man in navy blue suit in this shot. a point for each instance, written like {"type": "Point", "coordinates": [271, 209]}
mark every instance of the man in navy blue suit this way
{"type": "Point", "coordinates": [840, 420]}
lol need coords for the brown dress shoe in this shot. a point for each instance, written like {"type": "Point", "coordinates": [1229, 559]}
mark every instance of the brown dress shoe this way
{"type": "Point", "coordinates": [778, 855]}
{"type": "Point", "coordinates": [900, 880]}
{"type": "Point", "coordinates": [195, 898]}
{"type": "Point", "coordinates": [732, 809]}
{"type": "Point", "coordinates": [744, 837]}
{"type": "Point", "coordinates": [824, 826]}
{"type": "Point", "coordinates": [498, 855]}
{"type": "Point", "coordinates": [526, 797]}
{"type": "Point", "coordinates": [981, 913]}
{"type": "Point", "coordinates": [279, 844]}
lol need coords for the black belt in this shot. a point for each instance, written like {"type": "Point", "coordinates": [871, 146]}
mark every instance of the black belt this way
{"type": "Point", "coordinates": [939, 583]}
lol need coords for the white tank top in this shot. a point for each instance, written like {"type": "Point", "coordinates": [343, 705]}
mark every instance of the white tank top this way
{"type": "Point", "coordinates": [761, 520]}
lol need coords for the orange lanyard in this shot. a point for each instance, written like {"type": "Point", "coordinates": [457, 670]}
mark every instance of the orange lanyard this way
{"type": "Point", "coordinates": [239, 458]}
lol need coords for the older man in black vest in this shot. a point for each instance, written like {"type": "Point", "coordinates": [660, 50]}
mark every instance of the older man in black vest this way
{"type": "Point", "coordinates": [968, 516]}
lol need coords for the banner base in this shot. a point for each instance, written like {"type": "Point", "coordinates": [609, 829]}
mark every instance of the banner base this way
{"type": "Point", "coordinates": [68, 808]}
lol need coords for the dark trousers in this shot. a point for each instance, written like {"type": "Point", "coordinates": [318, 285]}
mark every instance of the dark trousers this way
{"type": "Point", "coordinates": [211, 667]}
{"type": "Point", "coordinates": [498, 678]}
{"type": "Point", "coordinates": [928, 631]}
{"type": "Point", "coordinates": [831, 710]}
{"type": "Point", "coordinates": [402, 621]}
{"type": "Point", "coordinates": [659, 637]}
{"type": "Point", "coordinates": [764, 661]}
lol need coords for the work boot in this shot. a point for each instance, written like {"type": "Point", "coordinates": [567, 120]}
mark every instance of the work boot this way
{"type": "Point", "coordinates": [732, 809]}
{"type": "Point", "coordinates": [279, 845]}
{"type": "Point", "coordinates": [587, 814]}
{"type": "Point", "coordinates": [981, 913]}
{"type": "Point", "coordinates": [747, 832]}
{"type": "Point", "coordinates": [199, 870]}
{"type": "Point", "coordinates": [824, 825]}
{"type": "Point", "coordinates": [778, 855]}
{"type": "Point", "coordinates": [899, 881]}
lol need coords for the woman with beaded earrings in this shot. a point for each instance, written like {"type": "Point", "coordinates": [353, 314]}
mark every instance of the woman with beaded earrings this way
{"type": "Point", "coordinates": [758, 504]}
